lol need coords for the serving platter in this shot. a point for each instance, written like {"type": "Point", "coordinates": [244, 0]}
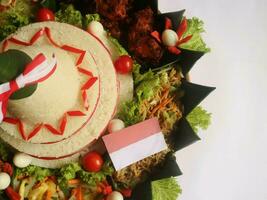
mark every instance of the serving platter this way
{"type": "Point", "coordinates": [180, 58]}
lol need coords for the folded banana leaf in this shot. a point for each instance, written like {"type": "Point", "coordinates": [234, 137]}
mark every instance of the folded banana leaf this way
{"type": "Point", "coordinates": [141, 4]}
{"type": "Point", "coordinates": [183, 135]}
{"type": "Point", "coordinates": [175, 17]}
{"type": "Point", "coordinates": [193, 95]}
{"type": "Point", "coordinates": [169, 169]}
{"type": "Point", "coordinates": [188, 59]}
{"type": "Point", "coordinates": [142, 191]}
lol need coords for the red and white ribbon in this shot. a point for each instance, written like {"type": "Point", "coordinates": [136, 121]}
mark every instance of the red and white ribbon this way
{"type": "Point", "coordinates": [35, 72]}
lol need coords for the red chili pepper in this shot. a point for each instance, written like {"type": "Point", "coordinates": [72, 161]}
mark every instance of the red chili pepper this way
{"type": "Point", "coordinates": [89, 83]}
{"type": "Point", "coordinates": [156, 35]}
{"type": "Point", "coordinates": [107, 190]}
{"type": "Point", "coordinates": [79, 194]}
{"type": "Point", "coordinates": [184, 40]}
{"type": "Point", "coordinates": [21, 130]}
{"type": "Point", "coordinates": [104, 188]}
{"type": "Point", "coordinates": [168, 23]}
{"type": "Point", "coordinates": [126, 192]}
{"type": "Point", "coordinates": [35, 131]}
{"type": "Point", "coordinates": [63, 123]}
{"type": "Point", "coordinates": [12, 194]}
{"type": "Point", "coordinates": [75, 113]}
{"type": "Point", "coordinates": [182, 28]}
{"type": "Point", "coordinates": [174, 50]}
{"type": "Point", "coordinates": [37, 36]}
{"type": "Point", "coordinates": [7, 168]}
{"type": "Point", "coordinates": [52, 129]}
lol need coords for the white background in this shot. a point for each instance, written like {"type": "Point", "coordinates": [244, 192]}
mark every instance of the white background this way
{"type": "Point", "coordinates": [230, 163]}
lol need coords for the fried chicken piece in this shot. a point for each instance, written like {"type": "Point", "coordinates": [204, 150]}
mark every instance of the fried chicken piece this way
{"type": "Point", "coordinates": [147, 49]}
{"type": "Point", "coordinates": [113, 27]}
{"type": "Point", "coordinates": [140, 43]}
{"type": "Point", "coordinates": [114, 10]}
{"type": "Point", "coordinates": [143, 23]}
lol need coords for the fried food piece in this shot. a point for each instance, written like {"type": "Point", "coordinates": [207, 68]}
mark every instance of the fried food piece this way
{"type": "Point", "coordinates": [114, 10]}
{"type": "Point", "coordinates": [146, 49]}
{"type": "Point", "coordinates": [140, 43]}
{"type": "Point", "coordinates": [142, 24]}
{"type": "Point", "coordinates": [113, 27]}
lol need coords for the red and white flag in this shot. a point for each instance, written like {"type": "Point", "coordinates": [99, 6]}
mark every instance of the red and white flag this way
{"type": "Point", "coordinates": [135, 143]}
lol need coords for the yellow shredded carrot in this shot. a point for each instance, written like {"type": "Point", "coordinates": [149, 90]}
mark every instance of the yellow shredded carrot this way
{"type": "Point", "coordinates": [74, 192]}
{"type": "Point", "coordinates": [40, 183]}
{"type": "Point", "coordinates": [161, 105]}
{"type": "Point", "coordinates": [48, 195]}
{"type": "Point", "coordinates": [74, 182]}
{"type": "Point", "coordinates": [79, 194]}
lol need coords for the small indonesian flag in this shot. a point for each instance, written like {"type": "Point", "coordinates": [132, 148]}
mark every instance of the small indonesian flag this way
{"type": "Point", "coordinates": [135, 143]}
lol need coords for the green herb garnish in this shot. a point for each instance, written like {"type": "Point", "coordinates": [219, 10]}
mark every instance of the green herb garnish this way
{"type": "Point", "coordinates": [165, 189]}
{"type": "Point", "coordinates": [199, 118]}
{"type": "Point", "coordinates": [196, 43]}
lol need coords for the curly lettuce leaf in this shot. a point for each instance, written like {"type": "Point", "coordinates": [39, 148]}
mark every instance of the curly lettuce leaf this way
{"type": "Point", "coordinates": [38, 173]}
{"type": "Point", "coordinates": [147, 89]}
{"type": "Point", "coordinates": [11, 22]}
{"type": "Point", "coordinates": [92, 178]}
{"type": "Point", "coordinates": [68, 172]}
{"type": "Point", "coordinates": [130, 113]}
{"type": "Point", "coordinates": [3, 151]}
{"type": "Point", "coordinates": [138, 77]}
{"type": "Point", "coordinates": [165, 189]}
{"type": "Point", "coordinates": [13, 18]}
{"type": "Point", "coordinates": [68, 14]}
{"type": "Point", "coordinates": [199, 118]}
{"type": "Point", "coordinates": [196, 43]}
{"type": "Point", "coordinates": [121, 50]}
{"type": "Point", "coordinates": [89, 18]}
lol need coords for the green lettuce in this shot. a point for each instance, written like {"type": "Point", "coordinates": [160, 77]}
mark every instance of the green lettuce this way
{"type": "Point", "coordinates": [74, 170]}
{"type": "Point", "coordinates": [92, 178]}
{"type": "Point", "coordinates": [3, 151]}
{"type": "Point", "coordinates": [199, 118]}
{"type": "Point", "coordinates": [68, 14]}
{"type": "Point", "coordinates": [147, 89]}
{"type": "Point", "coordinates": [139, 77]}
{"type": "Point", "coordinates": [11, 22]}
{"type": "Point", "coordinates": [89, 18]}
{"type": "Point", "coordinates": [38, 173]}
{"type": "Point", "coordinates": [196, 43]}
{"type": "Point", "coordinates": [19, 15]}
{"type": "Point", "coordinates": [165, 189]}
{"type": "Point", "coordinates": [130, 113]}
{"type": "Point", "coordinates": [121, 50]}
{"type": "Point", "coordinates": [68, 172]}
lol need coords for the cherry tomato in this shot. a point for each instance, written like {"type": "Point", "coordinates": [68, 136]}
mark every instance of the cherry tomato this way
{"type": "Point", "coordinates": [124, 64]}
{"type": "Point", "coordinates": [92, 162]}
{"type": "Point", "coordinates": [44, 14]}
